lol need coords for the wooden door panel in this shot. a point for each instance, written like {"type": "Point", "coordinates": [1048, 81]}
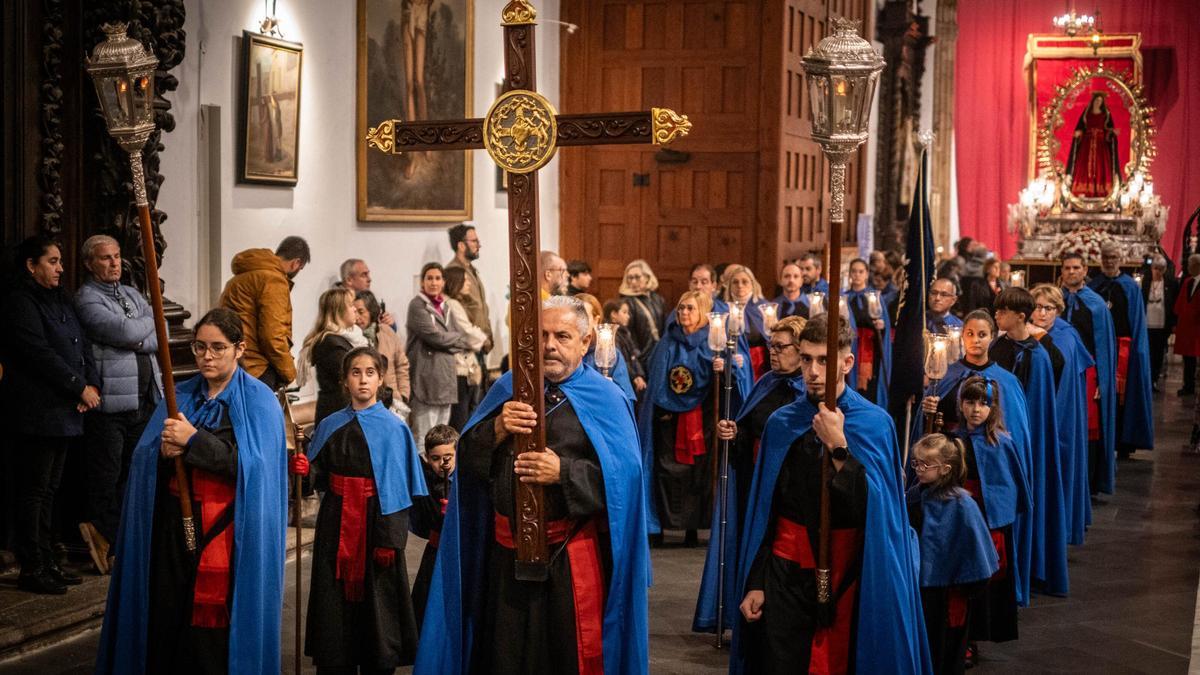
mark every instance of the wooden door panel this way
{"type": "Point", "coordinates": [611, 222]}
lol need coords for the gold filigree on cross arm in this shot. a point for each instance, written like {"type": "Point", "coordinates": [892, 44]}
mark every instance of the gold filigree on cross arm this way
{"type": "Point", "coordinates": [669, 126]}
{"type": "Point", "coordinates": [383, 137]}
{"type": "Point", "coordinates": [517, 13]}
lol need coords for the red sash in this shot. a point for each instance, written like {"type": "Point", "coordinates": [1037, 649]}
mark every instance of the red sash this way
{"type": "Point", "coordinates": [831, 645]}
{"type": "Point", "coordinates": [210, 595]}
{"type": "Point", "coordinates": [587, 584]}
{"type": "Point", "coordinates": [689, 436]}
{"type": "Point", "coordinates": [758, 361]}
{"type": "Point", "coordinates": [866, 356]}
{"type": "Point", "coordinates": [352, 534]}
{"type": "Point", "coordinates": [1001, 551]}
{"type": "Point", "coordinates": [956, 607]}
{"type": "Point", "coordinates": [1122, 367]}
{"type": "Point", "coordinates": [1093, 404]}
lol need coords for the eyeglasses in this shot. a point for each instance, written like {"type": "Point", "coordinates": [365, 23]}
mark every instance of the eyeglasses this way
{"type": "Point", "coordinates": [922, 467]}
{"type": "Point", "coordinates": [777, 349]}
{"type": "Point", "coordinates": [941, 294]}
{"type": "Point", "coordinates": [556, 269]}
{"type": "Point", "coordinates": [1045, 308]}
{"type": "Point", "coordinates": [218, 349]}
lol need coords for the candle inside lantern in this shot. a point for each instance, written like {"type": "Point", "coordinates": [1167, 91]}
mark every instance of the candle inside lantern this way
{"type": "Point", "coordinates": [1017, 279]}
{"type": "Point", "coordinates": [936, 362]}
{"type": "Point", "coordinates": [716, 331]}
{"type": "Point", "coordinates": [735, 325]}
{"type": "Point", "coordinates": [770, 314]}
{"type": "Point", "coordinates": [874, 307]}
{"type": "Point", "coordinates": [816, 303]}
{"type": "Point", "coordinates": [606, 349]}
{"type": "Point", "coordinates": [953, 343]}
{"type": "Point", "coordinates": [1137, 278]}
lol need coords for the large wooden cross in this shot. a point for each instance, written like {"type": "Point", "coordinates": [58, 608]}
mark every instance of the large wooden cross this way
{"type": "Point", "coordinates": [521, 133]}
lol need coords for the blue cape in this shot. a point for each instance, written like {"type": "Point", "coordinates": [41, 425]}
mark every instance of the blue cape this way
{"type": "Point", "coordinates": [678, 349]}
{"type": "Point", "coordinates": [1104, 337]}
{"type": "Point", "coordinates": [1002, 477]}
{"type": "Point", "coordinates": [789, 308]}
{"type": "Point", "coordinates": [950, 321]}
{"type": "Point", "coordinates": [884, 372]}
{"type": "Point", "coordinates": [1071, 403]}
{"type": "Point", "coordinates": [1049, 523]}
{"type": "Point", "coordinates": [259, 531]}
{"type": "Point", "coordinates": [619, 374]}
{"type": "Point", "coordinates": [1138, 428]}
{"type": "Point", "coordinates": [459, 587]}
{"type": "Point", "coordinates": [394, 458]}
{"type": "Point", "coordinates": [822, 286]}
{"type": "Point", "coordinates": [956, 547]}
{"type": "Point", "coordinates": [705, 618]}
{"type": "Point", "coordinates": [891, 627]}
{"type": "Point", "coordinates": [1016, 421]}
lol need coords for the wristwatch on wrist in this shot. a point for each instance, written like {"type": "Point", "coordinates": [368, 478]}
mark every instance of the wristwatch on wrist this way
{"type": "Point", "coordinates": [841, 454]}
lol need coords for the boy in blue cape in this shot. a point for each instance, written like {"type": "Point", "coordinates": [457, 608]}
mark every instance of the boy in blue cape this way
{"type": "Point", "coordinates": [1135, 426]}
{"type": "Point", "coordinates": [875, 623]}
{"type": "Point", "coordinates": [1087, 313]}
{"type": "Point", "coordinates": [1022, 355]}
{"type": "Point", "coordinates": [590, 615]}
{"type": "Point", "coordinates": [677, 420]}
{"type": "Point", "coordinates": [218, 609]}
{"type": "Point", "coordinates": [774, 390]}
{"type": "Point", "coordinates": [364, 460]}
{"type": "Point", "coordinates": [429, 512]}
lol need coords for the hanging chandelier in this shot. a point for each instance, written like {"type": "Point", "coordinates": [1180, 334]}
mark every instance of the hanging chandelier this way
{"type": "Point", "coordinates": [1073, 24]}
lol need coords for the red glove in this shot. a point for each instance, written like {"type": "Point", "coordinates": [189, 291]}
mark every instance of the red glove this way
{"type": "Point", "coordinates": [385, 557]}
{"type": "Point", "coordinates": [298, 465]}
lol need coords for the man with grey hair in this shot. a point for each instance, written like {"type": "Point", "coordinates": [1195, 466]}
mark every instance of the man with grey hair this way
{"type": "Point", "coordinates": [591, 611]}
{"type": "Point", "coordinates": [120, 324]}
{"type": "Point", "coordinates": [355, 275]}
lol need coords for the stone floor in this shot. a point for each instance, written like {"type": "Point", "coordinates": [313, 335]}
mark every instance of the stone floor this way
{"type": "Point", "coordinates": [1131, 609]}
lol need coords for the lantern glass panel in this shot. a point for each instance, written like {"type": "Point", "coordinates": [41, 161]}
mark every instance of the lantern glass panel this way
{"type": "Point", "coordinates": [109, 91]}
{"type": "Point", "coordinates": [842, 105]}
{"type": "Point", "coordinates": [818, 89]}
{"type": "Point", "coordinates": [143, 96]}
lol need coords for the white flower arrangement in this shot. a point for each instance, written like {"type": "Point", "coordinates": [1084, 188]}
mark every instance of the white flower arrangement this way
{"type": "Point", "coordinates": [1086, 241]}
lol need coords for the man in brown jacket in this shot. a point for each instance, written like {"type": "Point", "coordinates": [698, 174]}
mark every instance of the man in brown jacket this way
{"type": "Point", "coordinates": [465, 243]}
{"type": "Point", "coordinates": [260, 292]}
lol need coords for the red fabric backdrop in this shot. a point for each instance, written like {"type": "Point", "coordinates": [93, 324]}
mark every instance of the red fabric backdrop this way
{"type": "Point", "coordinates": [990, 113]}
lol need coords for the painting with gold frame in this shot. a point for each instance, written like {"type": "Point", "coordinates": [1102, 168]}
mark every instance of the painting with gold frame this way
{"type": "Point", "coordinates": [1091, 129]}
{"type": "Point", "coordinates": [269, 115]}
{"type": "Point", "coordinates": [414, 62]}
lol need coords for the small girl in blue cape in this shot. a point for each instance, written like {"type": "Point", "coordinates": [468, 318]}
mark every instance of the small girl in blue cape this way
{"type": "Point", "coordinates": [957, 554]}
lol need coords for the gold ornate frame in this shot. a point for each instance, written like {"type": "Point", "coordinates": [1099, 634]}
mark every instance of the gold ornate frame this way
{"type": "Point", "coordinates": [1142, 149]}
{"type": "Point", "coordinates": [367, 213]}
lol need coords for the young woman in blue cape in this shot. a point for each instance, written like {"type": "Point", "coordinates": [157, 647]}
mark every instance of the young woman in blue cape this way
{"type": "Point", "coordinates": [957, 553]}
{"type": "Point", "coordinates": [998, 483]}
{"type": "Point", "coordinates": [1090, 317]}
{"type": "Point", "coordinates": [677, 420]}
{"type": "Point", "coordinates": [364, 460]}
{"type": "Point", "coordinates": [978, 332]}
{"type": "Point", "coordinates": [782, 384]}
{"type": "Point", "coordinates": [218, 609]}
{"type": "Point", "coordinates": [1122, 295]}
{"type": "Point", "coordinates": [1071, 404]}
{"type": "Point", "coordinates": [1018, 352]}
{"type": "Point", "coordinates": [429, 512]}
{"type": "Point", "coordinates": [873, 338]}
{"type": "Point", "coordinates": [590, 615]}
{"type": "Point", "coordinates": [876, 624]}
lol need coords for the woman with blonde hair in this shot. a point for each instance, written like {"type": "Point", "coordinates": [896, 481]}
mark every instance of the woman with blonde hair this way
{"type": "Point", "coordinates": [741, 286]}
{"type": "Point", "coordinates": [639, 290]}
{"type": "Point", "coordinates": [333, 335]}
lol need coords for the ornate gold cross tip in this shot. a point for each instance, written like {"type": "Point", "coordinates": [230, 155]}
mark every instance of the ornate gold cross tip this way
{"type": "Point", "coordinates": [669, 126]}
{"type": "Point", "coordinates": [518, 13]}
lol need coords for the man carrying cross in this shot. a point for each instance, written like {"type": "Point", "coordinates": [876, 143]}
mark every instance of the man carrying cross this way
{"type": "Point", "coordinates": [590, 614]}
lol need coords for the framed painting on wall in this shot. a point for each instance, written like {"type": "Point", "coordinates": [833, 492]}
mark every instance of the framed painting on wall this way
{"type": "Point", "coordinates": [269, 115]}
{"type": "Point", "coordinates": [414, 63]}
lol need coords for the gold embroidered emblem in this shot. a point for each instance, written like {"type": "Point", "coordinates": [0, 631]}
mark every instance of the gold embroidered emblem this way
{"type": "Point", "coordinates": [681, 379]}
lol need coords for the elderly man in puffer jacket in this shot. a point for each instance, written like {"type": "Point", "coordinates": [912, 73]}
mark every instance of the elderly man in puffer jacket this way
{"type": "Point", "coordinates": [120, 326]}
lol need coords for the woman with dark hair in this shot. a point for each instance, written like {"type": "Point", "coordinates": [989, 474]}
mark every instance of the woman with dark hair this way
{"type": "Point", "coordinates": [333, 335]}
{"type": "Point", "coordinates": [468, 366]}
{"type": "Point", "coordinates": [50, 381]}
{"type": "Point", "coordinates": [364, 460]}
{"type": "Point", "coordinates": [174, 610]}
{"type": "Point", "coordinates": [396, 392]}
{"type": "Point", "coordinates": [433, 340]}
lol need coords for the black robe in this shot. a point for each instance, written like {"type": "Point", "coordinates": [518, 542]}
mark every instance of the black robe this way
{"type": "Point", "coordinates": [684, 492]}
{"type": "Point", "coordinates": [425, 520]}
{"type": "Point", "coordinates": [380, 631]}
{"type": "Point", "coordinates": [863, 319]}
{"type": "Point", "coordinates": [529, 627]}
{"type": "Point", "coordinates": [782, 639]}
{"type": "Point", "coordinates": [174, 645]}
{"type": "Point", "coordinates": [1004, 352]}
{"type": "Point", "coordinates": [750, 430]}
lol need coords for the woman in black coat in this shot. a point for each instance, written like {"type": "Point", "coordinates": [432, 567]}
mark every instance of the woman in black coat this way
{"type": "Point", "coordinates": [332, 337]}
{"type": "Point", "coordinates": [639, 290]}
{"type": "Point", "coordinates": [49, 382]}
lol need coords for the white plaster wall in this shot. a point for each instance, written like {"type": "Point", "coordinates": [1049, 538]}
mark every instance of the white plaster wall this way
{"type": "Point", "coordinates": [321, 207]}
